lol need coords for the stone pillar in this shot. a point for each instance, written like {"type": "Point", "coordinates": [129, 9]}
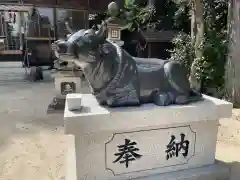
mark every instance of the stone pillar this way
{"type": "Point", "coordinates": [66, 82]}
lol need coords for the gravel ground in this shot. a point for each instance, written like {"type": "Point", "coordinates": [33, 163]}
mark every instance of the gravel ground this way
{"type": "Point", "coordinates": [32, 143]}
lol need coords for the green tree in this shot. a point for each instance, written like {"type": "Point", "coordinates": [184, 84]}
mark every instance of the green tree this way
{"type": "Point", "coordinates": [209, 39]}
{"type": "Point", "coordinates": [232, 83]}
{"type": "Point", "coordinates": [139, 17]}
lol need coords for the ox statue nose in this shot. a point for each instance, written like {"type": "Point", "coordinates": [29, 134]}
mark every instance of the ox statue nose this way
{"type": "Point", "coordinates": [62, 46]}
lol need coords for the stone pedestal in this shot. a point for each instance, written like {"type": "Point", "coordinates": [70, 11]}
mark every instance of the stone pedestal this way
{"type": "Point", "coordinates": [147, 142]}
{"type": "Point", "coordinates": [66, 82]}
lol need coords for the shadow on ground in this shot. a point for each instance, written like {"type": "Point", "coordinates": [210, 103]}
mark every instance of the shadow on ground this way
{"type": "Point", "coordinates": [234, 171]}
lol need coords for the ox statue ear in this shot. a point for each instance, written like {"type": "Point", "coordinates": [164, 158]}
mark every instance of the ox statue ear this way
{"type": "Point", "coordinates": [68, 36]}
{"type": "Point", "coordinates": [102, 29]}
{"type": "Point", "coordinates": [94, 27]}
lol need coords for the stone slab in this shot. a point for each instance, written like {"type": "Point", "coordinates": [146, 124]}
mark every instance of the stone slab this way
{"type": "Point", "coordinates": [154, 139]}
{"type": "Point", "coordinates": [146, 151]}
{"type": "Point", "coordinates": [74, 102]}
{"type": "Point", "coordinates": [217, 171]}
{"type": "Point", "coordinates": [94, 117]}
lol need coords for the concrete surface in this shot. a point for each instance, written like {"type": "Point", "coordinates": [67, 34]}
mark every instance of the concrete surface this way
{"type": "Point", "coordinates": [101, 130]}
{"type": "Point", "coordinates": [217, 171]}
{"type": "Point", "coordinates": [32, 144]}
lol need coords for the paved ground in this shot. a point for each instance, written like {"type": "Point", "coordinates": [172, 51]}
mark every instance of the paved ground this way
{"type": "Point", "coordinates": [32, 144]}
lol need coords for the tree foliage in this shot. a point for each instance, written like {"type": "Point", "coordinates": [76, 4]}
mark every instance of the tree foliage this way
{"type": "Point", "coordinates": [134, 15]}
{"type": "Point", "coordinates": [176, 16]}
{"type": "Point", "coordinates": [209, 68]}
{"type": "Point", "coordinates": [137, 16]}
{"type": "Point", "coordinates": [184, 50]}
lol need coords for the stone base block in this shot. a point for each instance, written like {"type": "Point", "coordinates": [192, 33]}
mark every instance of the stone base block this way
{"type": "Point", "coordinates": [135, 142]}
{"type": "Point", "coordinates": [145, 152]}
{"type": "Point", "coordinates": [217, 171]}
{"type": "Point", "coordinates": [74, 102]}
{"type": "Point", "coordinates": [67, 82]}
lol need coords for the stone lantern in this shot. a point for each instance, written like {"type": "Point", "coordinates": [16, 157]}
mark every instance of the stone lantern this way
{"type": "Point", "coordinates": [115, 25]}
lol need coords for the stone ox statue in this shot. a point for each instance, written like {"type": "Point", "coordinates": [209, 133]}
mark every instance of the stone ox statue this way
{"type": "Point", "coordinates": [118, 79]}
